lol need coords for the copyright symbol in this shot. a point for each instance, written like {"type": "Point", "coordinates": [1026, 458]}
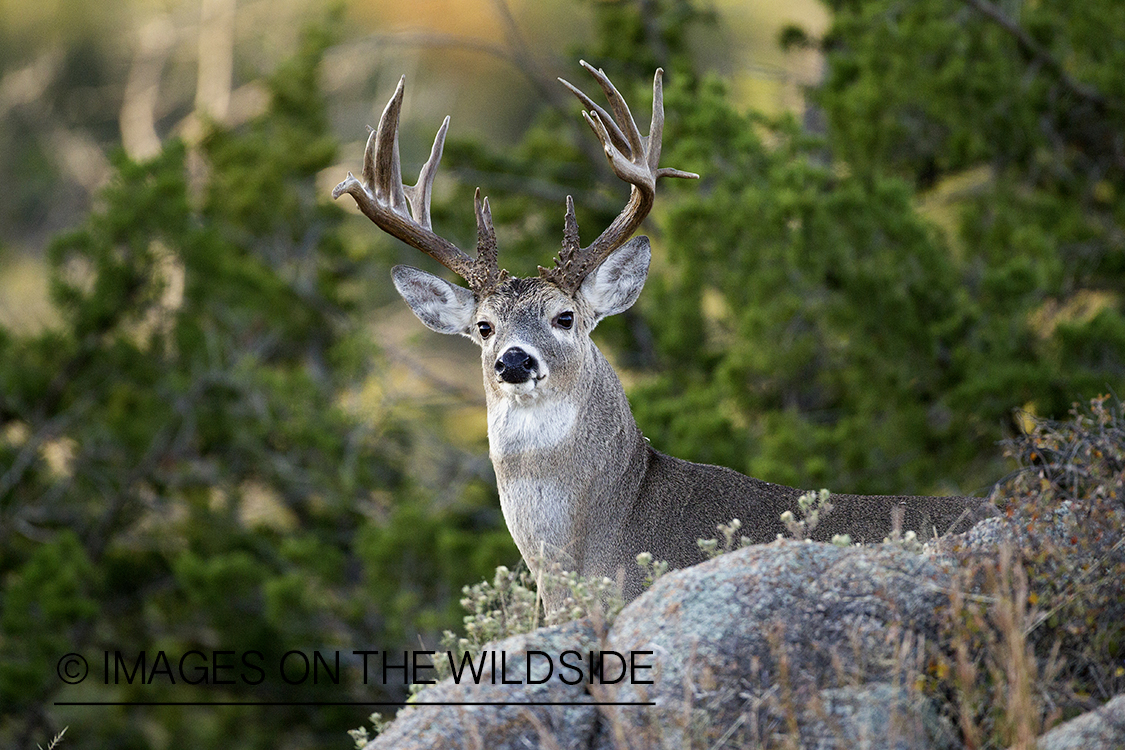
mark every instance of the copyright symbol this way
{"type": "Point", "coordinates": [73, 669]}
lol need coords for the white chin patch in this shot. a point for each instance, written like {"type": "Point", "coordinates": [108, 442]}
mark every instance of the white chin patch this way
{"type": "Point", "coordinates": [527, 390]}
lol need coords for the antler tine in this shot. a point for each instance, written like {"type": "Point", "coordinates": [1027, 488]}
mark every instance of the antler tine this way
{"type": "Point", "coordinates": [621, 113]}
{"type": "Point", "coordinates": [419, 194]}
{"type": "Point", "coordinates": [571, 250]}
{"type": "Point", "coordinates": [486, 267]}
{"type": "Point", "coordinates": [618, 137]}
{"type": "Point", "coordinates": [656, 126]}
{"type": "Point", "coordinates": [382, 197]}
{"type": "Point", "coordinates": [634, 158]}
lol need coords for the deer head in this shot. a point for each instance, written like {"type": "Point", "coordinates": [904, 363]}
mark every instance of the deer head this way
{"type": "Point", "coordinates": [533, 332]}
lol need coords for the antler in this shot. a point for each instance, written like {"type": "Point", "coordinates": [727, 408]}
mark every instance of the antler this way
{"type": "Point", "coordinates": [383, 198]}
{"type": "Point", "coordinates": [634, 158]}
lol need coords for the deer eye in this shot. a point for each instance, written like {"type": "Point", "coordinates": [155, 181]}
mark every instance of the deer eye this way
{"type": "Point", "coordinates": [484, 328]}
{"type": "Point", "coordinates": [564, 320]}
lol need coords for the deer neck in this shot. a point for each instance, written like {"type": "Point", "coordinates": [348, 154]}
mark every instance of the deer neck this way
{"type": "Point", "coordinates": [565, 464]}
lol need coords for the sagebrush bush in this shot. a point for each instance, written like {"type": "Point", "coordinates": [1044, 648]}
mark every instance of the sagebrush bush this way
{"type": "Point", "coordinates": [1038, 624]}
{"type": "Point", "coordinates": [1068, 499]}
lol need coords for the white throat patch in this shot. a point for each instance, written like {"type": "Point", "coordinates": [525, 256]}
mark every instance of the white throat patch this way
{"type": "Point", "coordinates": [515, 427]}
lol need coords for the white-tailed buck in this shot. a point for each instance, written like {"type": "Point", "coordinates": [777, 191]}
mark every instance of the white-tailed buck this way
{"type": "Point", "coordinates": [579, 484]}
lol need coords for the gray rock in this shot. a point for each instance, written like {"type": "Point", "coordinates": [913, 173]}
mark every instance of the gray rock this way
{"type": "Point", "coordinates": [1101, 729]}
{"type": "Point", "coordinates": [875, 715]}
{"type": "Point", "coordinates": [512, 726]}
{"type": "Point", "coordinates": [986, 536]}
{"type": "Point", "coordinates": [746, 646]}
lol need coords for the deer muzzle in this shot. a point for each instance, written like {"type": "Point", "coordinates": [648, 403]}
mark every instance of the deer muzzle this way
{"type": "Point", "coordinates": [516, 366]}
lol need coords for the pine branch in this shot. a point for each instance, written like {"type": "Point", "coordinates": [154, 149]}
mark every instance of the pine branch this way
{"type": "Point", "coordinates": [1041, 55]}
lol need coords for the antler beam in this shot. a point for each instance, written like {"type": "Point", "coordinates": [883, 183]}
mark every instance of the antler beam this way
{"type": "Point", "coordinates": [382, 197]}
{"type": "Point", "coordinates": [634, 158]}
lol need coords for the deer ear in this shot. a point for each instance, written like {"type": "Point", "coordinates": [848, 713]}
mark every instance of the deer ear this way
{"type": "Point", "coordinates": [614, 286]}
{"type": "Point", "coordinates": [441, 306]}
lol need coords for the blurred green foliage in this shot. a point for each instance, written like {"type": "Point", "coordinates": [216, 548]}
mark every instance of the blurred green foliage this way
{"type": "Point", "coordinates": [812, 315]}
{"type": "Point", "coordinates": [864, 309]}
{"type": "Point", "coordinates": [178, 466]}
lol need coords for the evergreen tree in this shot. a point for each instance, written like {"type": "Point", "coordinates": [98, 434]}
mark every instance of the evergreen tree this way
{"type": "Point", "coordinates": [182, 471]}
{"type": "Point", "coordinates": [868, 309]}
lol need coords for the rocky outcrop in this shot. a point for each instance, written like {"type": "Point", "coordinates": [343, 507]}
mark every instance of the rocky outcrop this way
{"type": "Point", "coordinates": [778, 640]}
{"type": "Point", "coordinates": [541, 710]}
{"type": "Point", "coordinates": [791, 639]}
{"type": "Point", "coordinates": [1102, 729]}
{"type": "Point", "coordinates": [790, 644]}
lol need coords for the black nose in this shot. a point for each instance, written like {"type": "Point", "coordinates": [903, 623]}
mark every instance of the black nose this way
{"type": "Point", "coordinates": [515, 366]}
